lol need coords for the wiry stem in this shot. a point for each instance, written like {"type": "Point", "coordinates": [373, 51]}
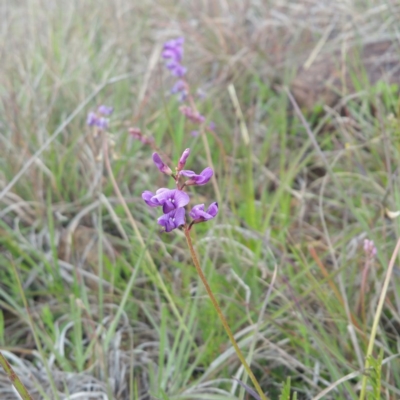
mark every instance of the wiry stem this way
{"type": "Point", "coordinates": [13, 377]}
{"type": "Point", "coordinates": [221, 315]}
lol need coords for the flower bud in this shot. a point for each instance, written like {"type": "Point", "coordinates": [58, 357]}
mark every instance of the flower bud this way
{"type": "Point", "coordinates": [182, 160]}
{"type": "Point", "coordinates": [160, 165]}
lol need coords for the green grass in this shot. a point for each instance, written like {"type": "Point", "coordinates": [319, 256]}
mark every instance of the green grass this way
{"type": "Point", "coordinates": [85, 306]}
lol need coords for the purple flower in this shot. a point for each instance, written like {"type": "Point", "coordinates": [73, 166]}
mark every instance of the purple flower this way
{"type": "Point", "coordinates": [195, 179]}
{"type": "Point", "coordinates": [182, 160]}
{"type": "Point", "coordinates": [169, 199]}
{"type": "Point", "coordinates": [160, 165]}
{"type": "Point", "coordinates": [211, 126]}
{"type": "Point", "coordinates": [94, 120]}
{"type": "Point", "coordinates": [195, 133]}
{"type": "Point", "coordinates": [199, 215]}
{"type": "Point", "coordinates": [177, 69]}
{"type": "Point", "coordinates": [91, 119]}
{"type": "Point", "coordinates": [105, 110]}
{"type": "Point", "coordinates": [173, 219]}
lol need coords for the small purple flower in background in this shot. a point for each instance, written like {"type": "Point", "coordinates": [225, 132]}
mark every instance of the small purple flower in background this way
{"type": "Point", "coordinates": [211, 126]}
{"type": "Point", "coordinates": [172, 220]}
{"type": "Point", "coordinates": [182, 160]}
{"type": "Point", "coordinates": [91, 119]}
{"type": "Point", "coordinates": [192, 115]}
{"type": "Point", "coordinates": [195, 133]}
{"type": "Point", "coordinates": [173, 52]}
{"type": "Point", "coordinates": [369, 248]}
{"type": "Point", "coordinates": [197, 180]}
{"type": "Point", "coordinates": [160, 165]}
{"type": "Point", "coordinates": [105, 110]}
{"type": "Point", "coordinates": [95, 118]}
{"type": "Point", "coordinates": [199, 215]}
{"type": "Point", "coordinates": [180, 88]}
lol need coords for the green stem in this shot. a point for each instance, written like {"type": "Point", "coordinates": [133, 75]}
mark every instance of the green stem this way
{"type": "Point", "coordinates": [377, 318]}
{"type": "Point", "coordinates": [220, 315]}
{"type": "Point", "coordinates": [13, 377]}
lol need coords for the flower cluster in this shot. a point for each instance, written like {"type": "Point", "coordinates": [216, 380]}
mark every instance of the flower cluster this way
{"type": "Point", "coordinates": [173, 201]}
{"type": "Point", "coordinates": [98, 118]}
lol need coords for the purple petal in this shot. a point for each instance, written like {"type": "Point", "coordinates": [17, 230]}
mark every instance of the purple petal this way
{"type": "Point", "coordinates": [172, 220]}
{"type": "Point", "coordinates": [213, 209]}
{"type": "Point", "coordinates": [206, 175]}
{"type": "Point", "coordinates": [187, 173]}
{"type": "Point", "coordinates": [147, 196]}
{"type": "Point", "coordinates": [181, 198]}
{"type": "Point", "coordinates": [180, 217]}
{"type": "Point", "coordinates": [160, 164]}
{"type": "Point", "coordinates": [198, 180]}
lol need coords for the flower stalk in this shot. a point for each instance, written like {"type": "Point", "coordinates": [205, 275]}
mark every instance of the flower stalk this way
{"type": "Point", "coordinates": [221, 315]}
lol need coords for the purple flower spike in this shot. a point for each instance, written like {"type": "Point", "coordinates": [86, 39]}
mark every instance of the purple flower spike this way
{"type": "Point", "coordinates": [198, 180]}
{"type": "Point", "coordinates": [105, 110]}
{"type": "Point", "coordinates": [182, 160]}
{"type": "Point", "coordinates": [199, 215]}
{"type": "Point", "coordinates": [160, 165]}
{"type": "Point", "coordinates": [172, 220]}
